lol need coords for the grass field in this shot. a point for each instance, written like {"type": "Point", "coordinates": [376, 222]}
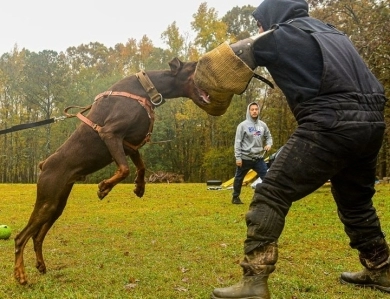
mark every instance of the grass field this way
{"type": "Point", "coordinates": [178, 241]}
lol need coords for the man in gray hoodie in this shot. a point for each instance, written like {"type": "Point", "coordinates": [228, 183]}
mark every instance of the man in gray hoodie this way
{"type": "Point", "coordinates": [253, 140]}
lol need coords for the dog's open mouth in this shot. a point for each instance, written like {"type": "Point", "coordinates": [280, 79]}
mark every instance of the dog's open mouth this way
{"type": "Point", "coordinates": [203, 95]}
{"type": "Point", "coordinates": [213, 102]}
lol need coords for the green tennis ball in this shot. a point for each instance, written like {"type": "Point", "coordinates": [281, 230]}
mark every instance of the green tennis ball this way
{"type": "Point", "coordinates": [5, 232]}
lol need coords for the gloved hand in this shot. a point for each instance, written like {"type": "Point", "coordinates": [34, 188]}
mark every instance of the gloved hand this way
{"type": "Point", "coordinates": [244, 50]}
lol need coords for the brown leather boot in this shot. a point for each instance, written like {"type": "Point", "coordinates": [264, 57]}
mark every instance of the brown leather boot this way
{"type": "Point", "coordinates": [257, 266]}
{"type": "Point", "coordinates": [376, 273]}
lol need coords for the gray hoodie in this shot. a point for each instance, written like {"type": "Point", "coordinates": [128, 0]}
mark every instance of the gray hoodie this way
{"type": "Point", "coordinates": [250, 137]}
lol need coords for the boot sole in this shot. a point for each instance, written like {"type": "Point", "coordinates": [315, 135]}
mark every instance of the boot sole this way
{"type": "Point", "coordinates": [372, 286]}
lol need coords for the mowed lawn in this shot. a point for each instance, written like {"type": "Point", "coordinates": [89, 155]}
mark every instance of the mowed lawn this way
{"type": "Point", "coordinates": [178, 241]}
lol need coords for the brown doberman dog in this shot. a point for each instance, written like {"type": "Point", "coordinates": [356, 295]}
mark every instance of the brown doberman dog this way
{"type": "Point", "coordinates": [117, 124]}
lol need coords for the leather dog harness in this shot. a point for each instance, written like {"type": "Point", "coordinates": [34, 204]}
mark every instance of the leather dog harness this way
{"type": "Point", "coordinates": [156, 99]}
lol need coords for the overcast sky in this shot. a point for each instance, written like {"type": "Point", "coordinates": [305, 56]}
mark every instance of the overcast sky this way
{"type": "Point", "coordinates": [52, 25]}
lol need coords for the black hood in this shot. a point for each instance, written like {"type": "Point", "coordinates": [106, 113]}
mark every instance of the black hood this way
{"type": "Point", "coordinates": [271, 12]}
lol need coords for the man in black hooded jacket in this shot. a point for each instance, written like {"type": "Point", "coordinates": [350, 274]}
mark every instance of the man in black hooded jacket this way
{"type": "Point", "coordinates": [338, 104]}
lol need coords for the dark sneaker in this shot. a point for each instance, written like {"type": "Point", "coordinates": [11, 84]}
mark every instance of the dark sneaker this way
{"type": "Point", "coordinates": [237, 201]}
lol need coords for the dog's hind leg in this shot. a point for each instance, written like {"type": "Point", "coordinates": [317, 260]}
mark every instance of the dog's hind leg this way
{"type": "Point", "coordinates": [20, 242]}
{"type": "Point", "coordinates": [31, 230]}
{"type": "Point", "coordinates": [39, 238]}
{"type": "Point", "coordinates": [48, 207]}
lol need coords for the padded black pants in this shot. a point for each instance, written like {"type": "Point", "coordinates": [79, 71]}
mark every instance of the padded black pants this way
{"type": "Point", "coordinates": [344, 152]}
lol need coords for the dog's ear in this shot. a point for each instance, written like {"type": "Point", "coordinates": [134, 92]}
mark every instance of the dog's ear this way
{"type": "Point", "coordinates": [175, 65]}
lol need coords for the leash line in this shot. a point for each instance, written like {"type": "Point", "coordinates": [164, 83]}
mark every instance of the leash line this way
{"type": "Point", "coordinates": [31, 125]}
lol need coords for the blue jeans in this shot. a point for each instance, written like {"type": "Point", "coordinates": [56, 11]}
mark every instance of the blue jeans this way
{"type": "Point", "coordinates": [259, 166]}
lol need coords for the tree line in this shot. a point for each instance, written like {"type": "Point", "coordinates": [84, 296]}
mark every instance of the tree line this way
{"type": "Point", "coordinates": [185, 141]}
